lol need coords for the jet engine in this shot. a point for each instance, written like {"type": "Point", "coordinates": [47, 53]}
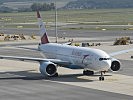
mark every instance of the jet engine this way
{"type": "Point", "coordinates": [48, 68]}
{"type": "Point", "coordinates": [115, 66]}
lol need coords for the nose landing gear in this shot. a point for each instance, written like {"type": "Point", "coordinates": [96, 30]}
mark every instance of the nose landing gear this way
{"type": "Point", "coordinates": [89, 73]}
{"type": "Point", "coordinates": [101, 78]}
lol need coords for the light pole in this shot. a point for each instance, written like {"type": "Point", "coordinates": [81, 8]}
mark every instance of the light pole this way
{"type": "Point", "coordinates": [56, 22]}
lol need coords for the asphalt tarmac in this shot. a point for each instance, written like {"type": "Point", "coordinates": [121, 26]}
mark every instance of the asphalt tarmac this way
{"type": "Point", "coordinates": [41, 89]}
{"type": "Point", "coordinates": [73, 33]}
{"type": "Point", "coordinates": [19, 80]}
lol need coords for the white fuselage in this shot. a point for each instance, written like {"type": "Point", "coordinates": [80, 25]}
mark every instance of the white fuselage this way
{"type": "Point", "coordinates": [82, 57]}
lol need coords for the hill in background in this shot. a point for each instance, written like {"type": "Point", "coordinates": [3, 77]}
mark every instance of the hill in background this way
{"type": "Point", "coordinates": [24, 5]}
{"type": "Point", "coordinates": [94, 4]}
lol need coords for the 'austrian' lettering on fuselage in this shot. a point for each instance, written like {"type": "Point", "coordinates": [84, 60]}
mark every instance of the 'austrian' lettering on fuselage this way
{"type": "Point", "coordinates": [76, 53]}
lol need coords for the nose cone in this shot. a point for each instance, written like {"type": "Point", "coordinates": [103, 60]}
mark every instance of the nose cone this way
{"type": "Point", "coordinates": [102, 65]}
{"type": "Point", "coordinates": [103, 61]}
{"type": "Point", "coordinates": [106, 65]}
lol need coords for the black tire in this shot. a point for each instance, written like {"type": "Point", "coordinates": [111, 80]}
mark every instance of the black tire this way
{"type": "Point", "coordinates": [84, 72]}
{"type": "Point", "coordinates": [100, 78]}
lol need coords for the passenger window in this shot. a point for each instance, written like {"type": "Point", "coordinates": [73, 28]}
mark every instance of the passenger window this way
{"type": "Point", "coordinates": [101, 59]}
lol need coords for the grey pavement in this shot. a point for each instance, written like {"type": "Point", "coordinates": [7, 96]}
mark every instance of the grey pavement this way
{"type": "Point", "coordinates": [41, 89]}
{"type": "Point", "coordinates": [24, 85]}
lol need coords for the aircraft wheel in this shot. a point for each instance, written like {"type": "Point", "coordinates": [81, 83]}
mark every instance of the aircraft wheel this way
{"type": "Point", "coordinates": [101, 78]}
{"type": "Point", "coordinates": [84, 72]}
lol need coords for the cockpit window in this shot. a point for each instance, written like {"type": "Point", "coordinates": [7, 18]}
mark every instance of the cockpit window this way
{"type": "Point", "coordinates": [100, 59]}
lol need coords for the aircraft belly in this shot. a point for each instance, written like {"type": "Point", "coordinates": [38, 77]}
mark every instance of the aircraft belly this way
{"type": "Point", "coordinates": [74, 67]}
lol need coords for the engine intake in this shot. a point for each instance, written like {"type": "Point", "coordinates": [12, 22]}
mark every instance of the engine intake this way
{"type": "Point", "coordinates": [51, 69]}
{"type": "Point", "coordinates": [48, 68]}
{"type": "Point", "coordinates": [115, 66]}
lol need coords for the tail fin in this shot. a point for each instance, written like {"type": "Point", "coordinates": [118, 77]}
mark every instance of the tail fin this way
{"type": "Point", "coordinates": [43, 33]}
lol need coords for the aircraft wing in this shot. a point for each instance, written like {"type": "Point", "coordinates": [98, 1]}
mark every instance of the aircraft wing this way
{"type": "Point", "coordinates": [120, 52]}
{"type": "Point", "coordinates": [26, 48]}
{"type": "Point", "coordinates": [56, 61]}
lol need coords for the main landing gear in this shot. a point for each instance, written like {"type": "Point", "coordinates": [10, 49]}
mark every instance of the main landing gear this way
{"type": "Point", "coordinates": [88, 72]}
{"type": "Point", "coordinates": [101, 78]}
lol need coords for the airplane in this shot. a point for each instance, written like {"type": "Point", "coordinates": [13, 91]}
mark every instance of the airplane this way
{"type": "Point", "coordinates": [63, 55]}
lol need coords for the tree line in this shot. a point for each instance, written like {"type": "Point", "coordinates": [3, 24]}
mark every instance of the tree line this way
{"type": "Point", "coordinates": [34, 7]}
{"type": "Point", "coordinates": [42, 7]}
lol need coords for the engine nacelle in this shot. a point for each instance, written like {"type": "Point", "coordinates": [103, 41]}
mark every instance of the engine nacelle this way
{"type": "Point", "coordinates": [48, 68]}
{"type": "Point", "coordinates": [115, 66]}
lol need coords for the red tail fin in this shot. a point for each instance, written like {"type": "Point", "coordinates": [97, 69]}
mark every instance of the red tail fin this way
{"type": "Point", "coordinates": [44, 39]}
{"type": "Point", "coordinates": [43, 33]}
